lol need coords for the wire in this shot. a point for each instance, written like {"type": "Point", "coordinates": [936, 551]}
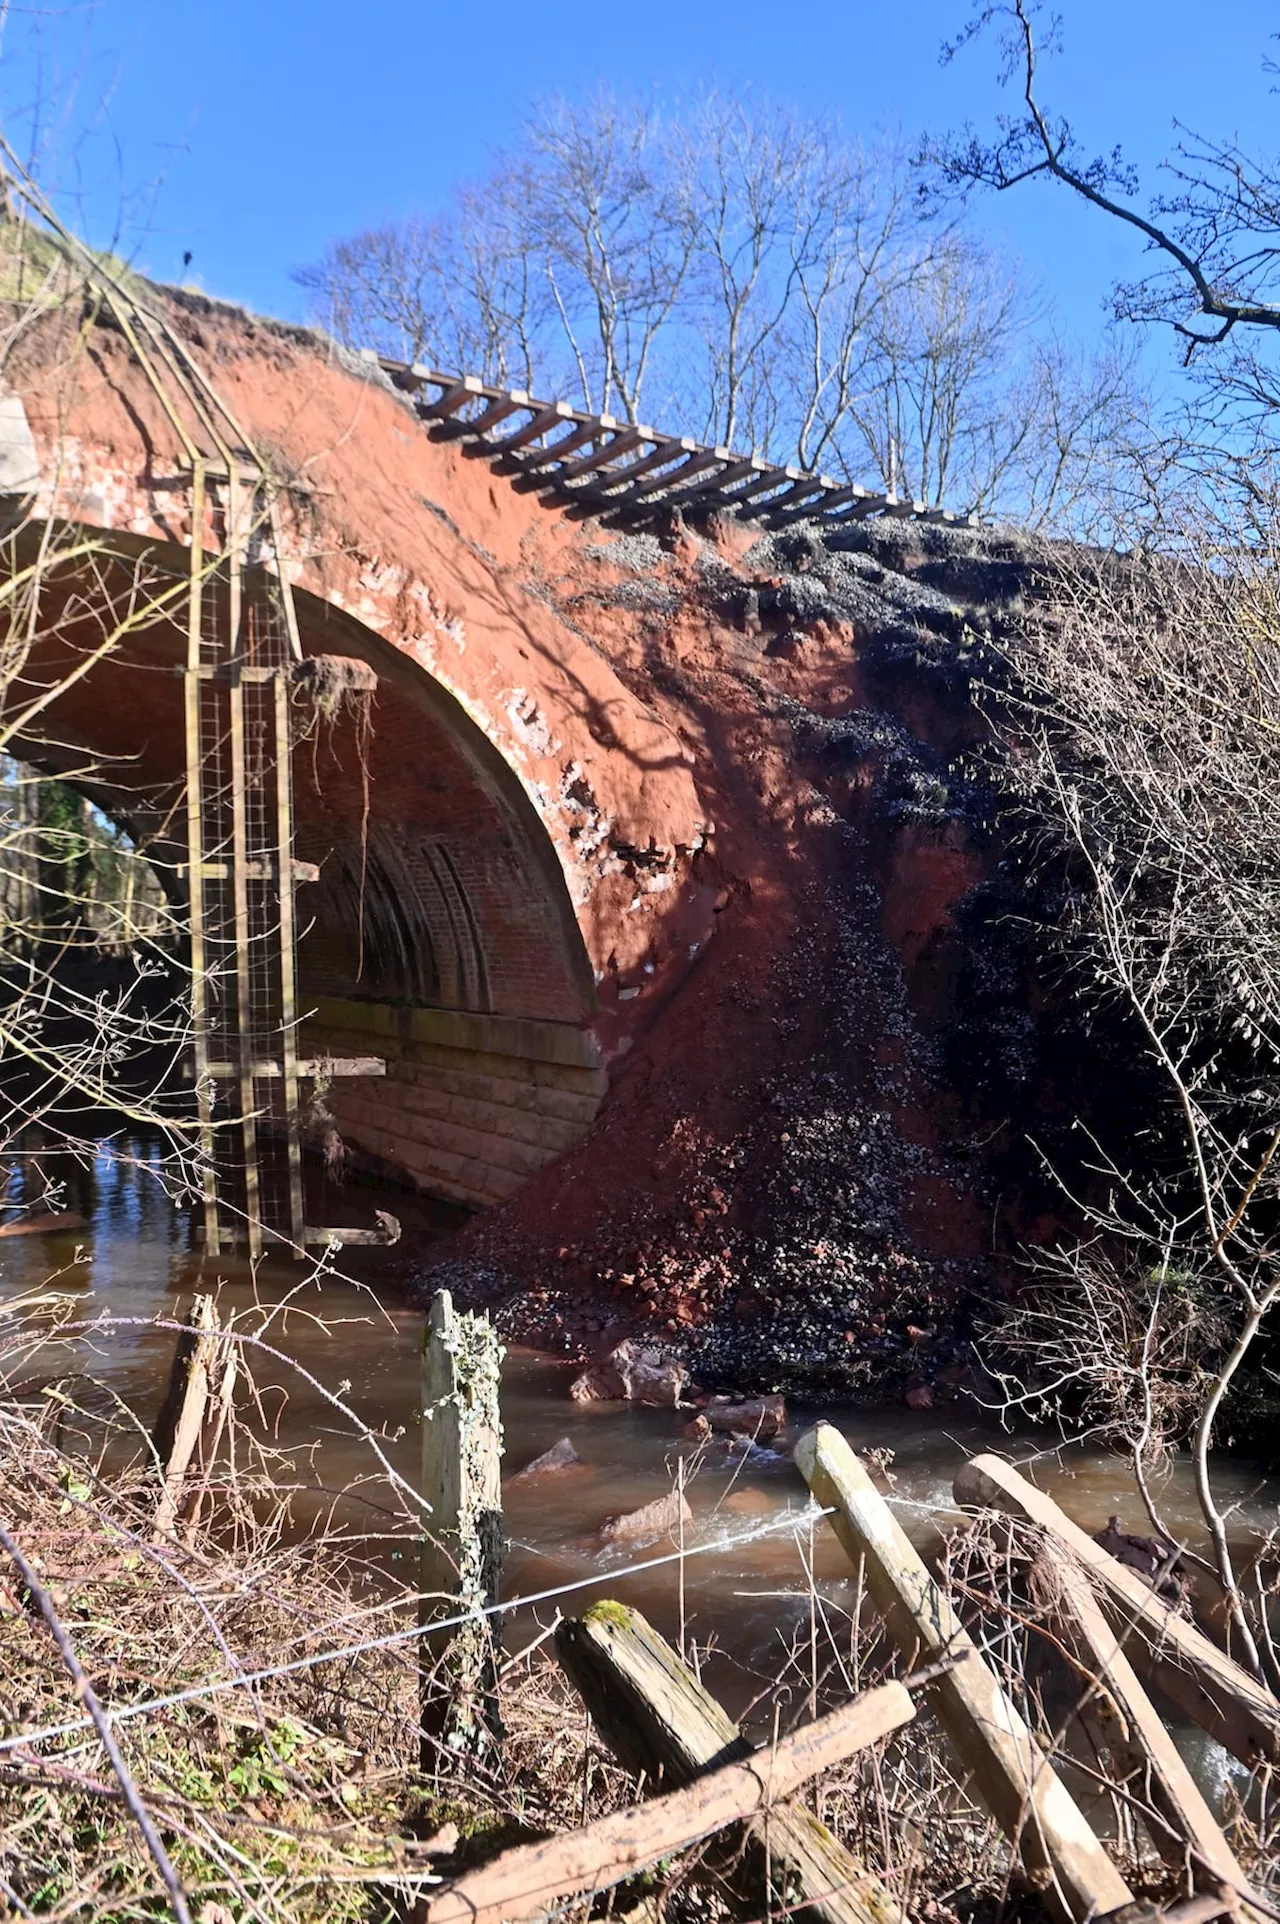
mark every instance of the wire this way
{"type": "Point", "coordinates": [196, 1692]}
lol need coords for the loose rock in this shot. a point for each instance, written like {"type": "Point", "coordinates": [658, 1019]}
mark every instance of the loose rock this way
{"type": "Point", "coordinates": [759, 1417]}
{"type": "Point", "coordinates": [1155, 1560]}
{"type": "Point", "coordinates": [658, 1519]}
{"type": "Point", "coordinates": [561, 1456]}
{"type": "Point", "coordinates": [633, 1374]}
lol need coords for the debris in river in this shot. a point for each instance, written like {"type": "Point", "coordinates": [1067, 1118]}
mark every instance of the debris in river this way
{"type": "Point", "coordinates": [662, 1517]}
{"type": "Point", "coordinates": [43, 1225]}
{"type": "Point", "coordinates": [632, 1373]}
{"type": "Point", "coordinates": [1156, 1561]}
{"type": "Point", "coordinates": [561, 1456]}
{"type": "Point", "coordinates": [759, 1417]}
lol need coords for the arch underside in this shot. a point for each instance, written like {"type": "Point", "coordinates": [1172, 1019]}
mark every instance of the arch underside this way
{"type": "Point", "coordinates": [439, 934]}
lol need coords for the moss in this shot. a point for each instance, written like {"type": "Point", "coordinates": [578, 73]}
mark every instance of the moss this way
{"type": "Point", "coordinates": [607, 1612]}
{"type": "Point", "coordinates": [39, 270]}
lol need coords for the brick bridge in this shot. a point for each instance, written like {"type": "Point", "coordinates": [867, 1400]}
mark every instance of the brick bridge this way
{"type": "Point", "coordinates": [517, 865]}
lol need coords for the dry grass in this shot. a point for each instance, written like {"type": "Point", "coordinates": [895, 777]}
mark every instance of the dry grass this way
{"type": "Point", "coordinates": [304, 1795]}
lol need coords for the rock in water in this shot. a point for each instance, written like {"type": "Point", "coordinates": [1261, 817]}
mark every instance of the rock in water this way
{"type": "Point", "coordinates": [759, 1417]}
{"type": "Point", "coordinates": [561, 1456]}
{"type": "Point", "coordinates": [1155, 1560]}
{"type": "Point", "coordinates": [658, 1519]}
{"type": "Point", "coordinates": [632, 1374]}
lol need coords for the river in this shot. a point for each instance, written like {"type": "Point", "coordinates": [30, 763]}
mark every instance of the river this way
{"type": "Point", "coordinates": [745, 1584]}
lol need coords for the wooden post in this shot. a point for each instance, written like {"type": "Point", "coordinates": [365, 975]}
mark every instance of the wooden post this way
{"type": "Point", "coordinates": [1205, 1684]}
{"type": "Point", "coordinates": [522, 1883]}
{"type": "Point", "coordinates": [192, 698]}
{"type": "Point", "coordinates": [657, 1719]}
{"type": "Point", "coordinates": [1189, 1836]}
{"type": "Point", "coordinates": [1010, 1772]}
{"type": "Point", "coordinates": [182, 1414]}
{"type": "Point", "coordinates": [462, 1553]}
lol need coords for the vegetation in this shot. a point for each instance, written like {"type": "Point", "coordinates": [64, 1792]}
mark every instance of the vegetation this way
{"type": "Point", "coordinates": [93, 1001]}
{"type": "Point", "coordinates": [245, 1724]}
{"type": "Point", "coordinates": [741, 272]}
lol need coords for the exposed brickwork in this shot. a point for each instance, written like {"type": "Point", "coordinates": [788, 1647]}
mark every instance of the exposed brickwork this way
{"type": "Point", "coordinates": [469, 1107]}
{"type": "Point", "coordinates": [436, 864]}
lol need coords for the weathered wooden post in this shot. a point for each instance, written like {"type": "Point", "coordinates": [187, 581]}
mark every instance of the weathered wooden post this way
{"type": "Point", "coordinates": [181, 1420]}
{"type": "Point", "coordinates": [656, 1718]}
{"type": "Point", "coordinates": [463, 1548]}
{"type": "Point", "coordinates": [1008, 1769]}
{"type": "Point", "coordinates": [1205, 1683]}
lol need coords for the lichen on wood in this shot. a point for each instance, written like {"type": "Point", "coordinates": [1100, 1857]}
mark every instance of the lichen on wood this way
{"type": "Point", "coordinates": [463, 1549]}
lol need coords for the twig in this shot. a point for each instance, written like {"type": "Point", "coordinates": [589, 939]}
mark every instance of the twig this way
{"type": "Point", "coordinates": [101, 1723]}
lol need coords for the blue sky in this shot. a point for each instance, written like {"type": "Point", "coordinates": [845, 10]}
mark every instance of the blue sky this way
{"type": "Point", "coordinates": [253, 131]}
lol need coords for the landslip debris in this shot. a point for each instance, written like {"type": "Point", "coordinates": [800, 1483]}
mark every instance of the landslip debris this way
{"type": "Point", "coordinates": [665, 1516]}
{"type": "Point", "coordinates": [632, 1373]}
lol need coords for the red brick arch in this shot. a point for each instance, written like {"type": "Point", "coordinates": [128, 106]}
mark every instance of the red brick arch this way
{"type": "Point", "coordinates": [440, 934]}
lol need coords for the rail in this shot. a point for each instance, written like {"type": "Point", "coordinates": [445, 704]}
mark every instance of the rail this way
{"type": "Point", "coordinates": [600, 468]}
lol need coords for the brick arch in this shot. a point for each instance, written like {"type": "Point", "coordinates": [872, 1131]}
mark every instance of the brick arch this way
{"type": "Point", "coordinates": [440, 935]}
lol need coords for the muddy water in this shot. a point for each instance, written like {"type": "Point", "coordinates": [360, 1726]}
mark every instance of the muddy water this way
{"type": "Point", "coordinates": [745, 1586]}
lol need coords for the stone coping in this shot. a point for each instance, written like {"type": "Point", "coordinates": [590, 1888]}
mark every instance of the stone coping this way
{"type": "Point", "coordinates": [499, 1035]}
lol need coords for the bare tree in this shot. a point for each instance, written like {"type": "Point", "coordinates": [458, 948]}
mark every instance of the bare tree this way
{"type": "Point", "coordinates": [613, 237]}
{"type": "Point", "coordinates": [937, 410]}
{"type": "Point", "coordinates": [1216, 233]}
{"type": "Point", "coordinates": [1211, 236]}
{"type": "Point", "coordinates": [1147, 725]}
{"type": "Point", "coordinates": [457, 292]}
{"type": "Point", "coordinates": [748, 269]}
{"type": "Point", "coordinates": [94, 979]}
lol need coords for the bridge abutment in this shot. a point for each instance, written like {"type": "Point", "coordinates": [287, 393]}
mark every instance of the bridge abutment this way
{"type": "Point", "coordinates": [471, 1105]}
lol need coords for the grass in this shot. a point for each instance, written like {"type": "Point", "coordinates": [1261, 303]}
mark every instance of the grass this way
{"type": "Point", "coordinates": [306, 1797]}
{"type": "Point", "coordinates": [38, 270]}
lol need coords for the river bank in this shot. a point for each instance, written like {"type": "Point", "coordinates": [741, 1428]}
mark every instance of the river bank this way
{"type": "Point", "coordinates": [131, 1262]}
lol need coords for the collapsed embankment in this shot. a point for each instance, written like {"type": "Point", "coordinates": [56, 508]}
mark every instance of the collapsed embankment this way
{"type": "Point", "coordinates": [749, 761]}
{"type": "Point", "coordinates": [789, 1177]}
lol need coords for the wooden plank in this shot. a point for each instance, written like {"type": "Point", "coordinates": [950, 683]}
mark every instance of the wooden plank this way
{"type": "Point", "coordinates": [764, 478]}
{"type": "Point", "coordinates": [1191, 1910]}
{"type": "Point", "coordinates": [462, 1551]}
{"type": "Point", "coordinates": [1010, 1772]}
{"type": "Point", "coordinates": [658, 1719]}
{"type": "Point", "coordinates": [1205, 1684]}
{"type": "Point", "coordinates": [866, 504]}
{"type": "Point", "coordinates": [452, 399]}
{"type": "Point", "coordinates": [713, 484]}
{"type": "Point", "coordinates": [330, 1068]}
{"type": "Point", "coordinates": [290, 1067]}
{"type": "Point", "coordinates": [182, 1415]}
{"type": "Point", "coordinates": [798, 491]}
{"type": "Point", "coordinates": [695, 463]}
{"type": "Point", "coordinates": [623, 441]}
{"type": "Point", "coordinates": [542, 423]}
{"type": "Point", "coordinates": [196, 865]}
{"type": "Point", "coordinates": [1149, 1760]}
{"type": "Point", "coordinates": [496, 411]}
{"type": "Point", "coordinates": [524, 1881]}
{"type": "Point", "coordinates": [239, 880]}
{"type": "Point", "coordinates": [606, 486]}
{"type": "Point", "coordinates": [834, 496]}
{"type": "Point", "coordinates": [534, 464]}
